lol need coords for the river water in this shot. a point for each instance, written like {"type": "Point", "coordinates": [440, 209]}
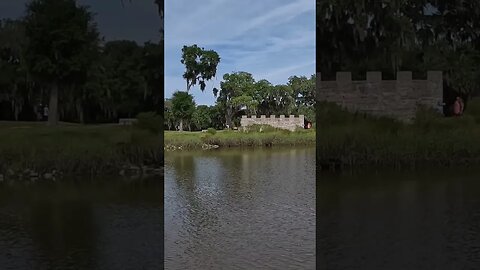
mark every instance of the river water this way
{"type": "Point", "coordinates": [240, 209]}
{"type": "Point", "coordinates": [97, 224]}
{"type": "Point", "coordinates": [399, 220]}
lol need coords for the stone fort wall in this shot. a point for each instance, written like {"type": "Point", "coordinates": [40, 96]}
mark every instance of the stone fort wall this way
{"type": "Point", "coordinates": [398, 98]}
{"type": "Point", "coordinates": [290, 123]}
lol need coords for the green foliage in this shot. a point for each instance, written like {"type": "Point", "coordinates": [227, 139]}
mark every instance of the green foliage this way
{"type": "Point", "coordinates": [473, 109]}
{"type": "Point", "coordinates": [149, 121]}
{"type": "Point", "coordinates": [62, 43]}
{"type": "Point", "coordinates": [123, 81]}
{"type": "Point", "coordinates": [428, 120]}
{"type": "Point", "coordinates": [236, 93]}
{"type": "Point", "coordinates": [57, 45]}
{"type": "Point", "coordinates": [389, 36]}
{"type": "Point", "coordinates": [201, 117]}
{"type": "Point", "coordinates": [200, 64]}
{"type": "Point", "coordinates": [357, 140]}
{"type": "Point", "coordinates": [76, 149]}
{"type": "Point", "coordinates": [183, 107]}
{"type": "Point", "coordinates": [227, 138]}
{"type": "Point", "coordinates": [211, 131]}
{"type": "Point", "coordinates": [61, 38]}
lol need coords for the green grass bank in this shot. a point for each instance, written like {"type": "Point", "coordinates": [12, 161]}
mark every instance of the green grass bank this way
{"type": "Point", "coordinates": [356, 140]}
{"type": "Point", "coordinates": [257, 137]}
{"type": "Point", "coordinates": [76, 149]}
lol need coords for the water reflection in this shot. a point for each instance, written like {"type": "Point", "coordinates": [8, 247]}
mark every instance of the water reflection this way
{"type": "Point", "coordinates": [81, 225]}
{"type": "Point", "coordinates": [240, 209]}
{"type": "Point", "coordinates": [392, 220]}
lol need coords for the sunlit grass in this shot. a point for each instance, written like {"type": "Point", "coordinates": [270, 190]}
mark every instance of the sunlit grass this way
{"type": "Point", "coordinates": [254, 138]}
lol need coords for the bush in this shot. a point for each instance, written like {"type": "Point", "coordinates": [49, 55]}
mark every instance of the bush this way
{"type": "Point", "coordinates": [473, 109]}
{"type": "Point", "coordinates": [331, 114]}
{"type": "Point", "coordinates": [211, 131]}
{"type": "Point", "coordinates": [149, 121]}
{"type": "Point", "coordinates": [431, 121]}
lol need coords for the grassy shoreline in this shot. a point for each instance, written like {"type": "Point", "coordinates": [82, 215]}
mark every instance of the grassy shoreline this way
{"type": "Point", "coordinates": [355, 140]}
{"type": "Point", "coordinates": [175, 140]}
{"type": "Point", "coordinates": [76, 149]}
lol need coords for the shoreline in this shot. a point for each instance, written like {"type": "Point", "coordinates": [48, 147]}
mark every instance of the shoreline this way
{"type": "Point", "coordinates": [353, 140]}
{"type": "Point", "coordinates": [29, 150]}
{"type": "Point", "coordinates": [184, 141]}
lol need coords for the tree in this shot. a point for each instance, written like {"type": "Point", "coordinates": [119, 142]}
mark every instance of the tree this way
{"type": "Point", "coordinates": [274, 99]}
{"type": "Point", "coordinates": [125, 81]}
{"type": "Point", "coordinates": [303, 90]}
{"type": "Point", "coordinates": [183, 107]}
{"type": "Point", "coordinates": [15, 84]}
{"type": "Point", "coordinates": [61, 36]}
{"type": "Point", "coordinates": [201, 118]}
{"type": "Point", "coordinates": [217, 116]}
{"type": "Point", "coordinates": [153, 75]}
{"type": "Point", "coordinates": [261, 93]}
{"type": "Point", "coordinates": [389, 36]}
{"type": "Point", "coordinates": [200, 65]}
{"type": "Point", "coordinates": [236, 93]}
{"type": "Point", "coordinates": [169, 119]}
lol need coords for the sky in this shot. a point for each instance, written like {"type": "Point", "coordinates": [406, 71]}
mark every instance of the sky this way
{"type": "Point", "coordinates": [137, 21]}
{"type": "Point", "coordinates": [271, 39]}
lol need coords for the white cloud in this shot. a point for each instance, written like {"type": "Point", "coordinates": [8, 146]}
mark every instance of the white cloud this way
{"type": "Point", "coordinates": [272, 39]}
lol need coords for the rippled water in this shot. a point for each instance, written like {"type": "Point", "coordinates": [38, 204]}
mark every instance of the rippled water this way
{"type": "Point", "coordinates": [240, 209]}
{"type": "Point", "coordinates": [392, 220]}
{"type": "Point", "coordinates": [81, 225]}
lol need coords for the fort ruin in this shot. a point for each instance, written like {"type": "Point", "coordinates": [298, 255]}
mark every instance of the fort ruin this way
{"type": "Point", "coordinates": [291, 123]}
{"type": "Point", "coordinates": [398, 98]}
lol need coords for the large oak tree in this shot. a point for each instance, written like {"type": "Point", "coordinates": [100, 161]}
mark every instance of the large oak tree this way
{"type": "Point", "coordinates": [62, 37]}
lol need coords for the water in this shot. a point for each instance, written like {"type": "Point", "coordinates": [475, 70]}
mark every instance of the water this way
{"type": "Point", "coordinates": [393, 220]}
{"type": "Point", "coordinates": [240, 209]}
{"type": "Point", "coordinates": [98, 224]}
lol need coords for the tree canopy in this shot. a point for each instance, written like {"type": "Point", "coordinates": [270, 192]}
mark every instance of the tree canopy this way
{"type": "Point", "coordinates": [200, 65]}
{"type": "Point", "coordinates": [55, 55]}
{"type": "Point", "coordinates": [240, 94]}
{"type": "Point", "coordinates": [389, 36]}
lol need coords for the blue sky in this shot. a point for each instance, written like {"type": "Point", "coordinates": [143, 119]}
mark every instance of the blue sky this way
{"type": "Point", "coordinates": [272, 39]}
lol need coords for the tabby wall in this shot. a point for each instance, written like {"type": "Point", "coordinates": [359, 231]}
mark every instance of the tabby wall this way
{"type": "Point", "coordinates": [290, 123]}
{"type": "Point", "coordinates": [395, 98]}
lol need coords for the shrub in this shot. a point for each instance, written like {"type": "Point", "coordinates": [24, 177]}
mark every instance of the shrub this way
{"type": "Point", "coordinates": [149, 121]}
{"type": "Point", "coordinates": [473, 109]}
{"type": "Point", "coordinates": [211, 131]}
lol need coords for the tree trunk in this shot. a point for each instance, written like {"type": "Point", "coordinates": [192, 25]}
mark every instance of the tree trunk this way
{"type": "Point", "coordinates": [53, 106]}
{"type": "Point", "coordinates": [16, 111]}
{"type": "Point", "coordinates": [228, 118]}
{"type": "Point", "coordinates": [80, 112]}
{"type": "Point", "coordinates": [181, 125]}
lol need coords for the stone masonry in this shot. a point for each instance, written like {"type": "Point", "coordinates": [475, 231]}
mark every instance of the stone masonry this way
{"type": "Point", "coordinates": [398, 98]}
{"type": "Point", "coordinates": [290, 123]}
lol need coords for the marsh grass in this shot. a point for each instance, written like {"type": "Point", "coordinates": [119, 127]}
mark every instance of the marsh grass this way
{"type": "Point", "coordinates": [76, 149]}
{"type": "Point", "coordinates": [356, 139]}
{"type": "Point", "coordinates": [269, 136]}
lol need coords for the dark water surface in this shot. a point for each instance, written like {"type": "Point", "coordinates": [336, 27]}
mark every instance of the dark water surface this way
{"type": "Point", "coordinates": [240, 209]}
{"type": "Point", "coordinates": [92, 224]}
{"type": "Point", "coordinates": [392, 220]}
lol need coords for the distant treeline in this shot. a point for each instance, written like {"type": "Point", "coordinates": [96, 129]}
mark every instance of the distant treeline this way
{"type": "Point", "coordinates": [55, 56]}
{"type": "Point", "coordinates": [240, 94]}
